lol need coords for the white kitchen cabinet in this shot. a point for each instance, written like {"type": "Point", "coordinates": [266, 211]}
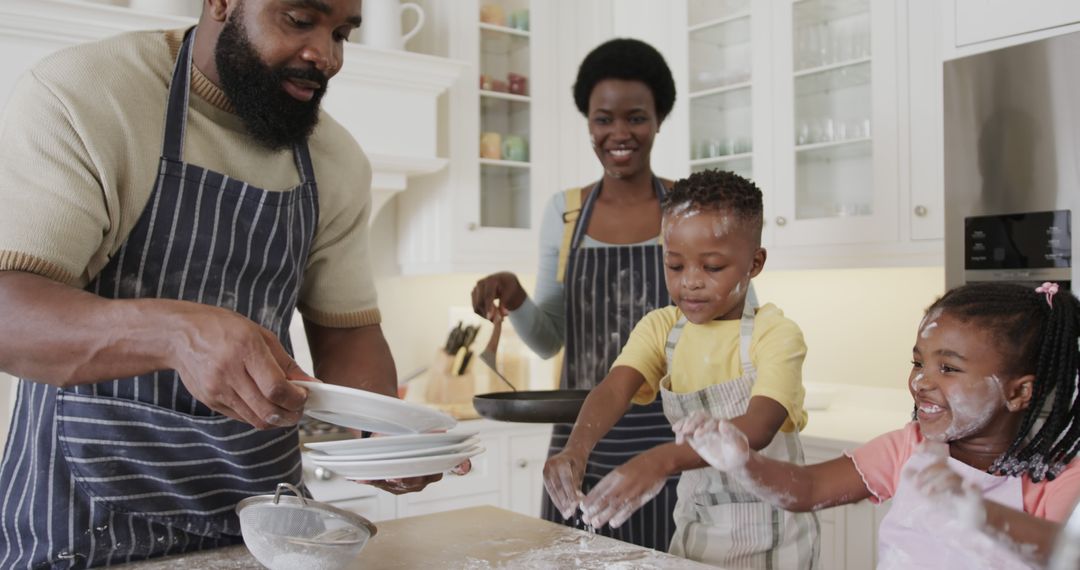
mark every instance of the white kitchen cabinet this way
{"type": "Point", "coordinates": [983, 20]}
{"type": "Point", "coordinates": [485, 212]}
{"type": "Point", "coordinates": [387, 99]}
{"type": "Point", "coordinates": [527, 454]}
{"type": "Point", "coordinates": [849, 532]}
{"type": "Point", "coordinates": [806, 97]}
{"type": "Point", "coordinates": [924, 113]}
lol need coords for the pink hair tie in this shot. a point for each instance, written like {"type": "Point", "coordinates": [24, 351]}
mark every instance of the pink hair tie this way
{"type": "Point", "coordinates": [1049, 289]}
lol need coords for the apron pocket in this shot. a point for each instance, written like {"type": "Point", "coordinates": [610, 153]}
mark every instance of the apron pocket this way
{"type": "Point", "coordinates": [182, 470]}
{"type": "Point", "coordinates": [744, 528]}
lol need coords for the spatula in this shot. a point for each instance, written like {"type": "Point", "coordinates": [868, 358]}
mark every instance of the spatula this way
{"type": "Point", "coordinates": [488, 355]}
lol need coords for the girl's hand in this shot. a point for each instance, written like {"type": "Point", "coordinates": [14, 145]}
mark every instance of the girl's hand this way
{"type": "Point", "coordinates": [946, 489]}
{"type": "Point", "coordinates": [624, 491]}
{"type": "Point", "coordinates": [563, 473]}
{"type": "Point", "coordinates": [717, 441]}
{"type": "Point", "coordinates": [690, 425]}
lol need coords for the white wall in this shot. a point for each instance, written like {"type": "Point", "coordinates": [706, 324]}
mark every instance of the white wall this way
{"type": "Point", "coordinates": [859, 324]}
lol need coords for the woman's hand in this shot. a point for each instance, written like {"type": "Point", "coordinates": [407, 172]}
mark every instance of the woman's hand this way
{"type": "Point", "coordinates": [563, 473]}
{"type": "Point", "coordinates": [624, 491]}
{"type": "Point", "coordinates": [504, 287]}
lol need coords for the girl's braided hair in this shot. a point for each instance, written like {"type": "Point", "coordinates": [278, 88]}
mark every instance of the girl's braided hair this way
{"type": "Point", "coordinates": [1034, 337]}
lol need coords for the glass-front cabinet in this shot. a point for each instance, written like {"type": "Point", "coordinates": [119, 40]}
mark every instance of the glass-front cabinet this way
{"type": "Point", "coordinates": [838, 84]}
{"type": "Point", "coordinates": [505, 113]}
{"type": "Point", "coordinates": [720, 59]}
{"type": "Point", "coordinates": [484, 214]}
{"type": "Point", "coordinates": [813, 121]}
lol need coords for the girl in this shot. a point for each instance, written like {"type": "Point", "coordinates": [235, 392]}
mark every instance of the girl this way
{"type": "Point", "coordinates": [980, 479]}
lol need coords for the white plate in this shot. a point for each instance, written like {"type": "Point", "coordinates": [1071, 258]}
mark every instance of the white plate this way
{"type": "Point", "coordinates": [388, 443]}
{"type": "Point", "coordinates": [368, 411]}
{"type": "Point", "coordinates": [397, 468]}
{"type": "Point", "coordinates": [398, 453]}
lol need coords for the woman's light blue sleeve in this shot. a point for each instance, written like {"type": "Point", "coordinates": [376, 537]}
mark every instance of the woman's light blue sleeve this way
{"type": "Point", "coordinates": [540, 321]}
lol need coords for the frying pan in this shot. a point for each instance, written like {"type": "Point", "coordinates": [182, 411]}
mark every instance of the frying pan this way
{"type": "Point", "coordinates": [535, 406]}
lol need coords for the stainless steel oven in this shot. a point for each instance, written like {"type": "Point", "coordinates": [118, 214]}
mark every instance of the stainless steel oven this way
{"type": "Point", "coordinates": [1012, 163]}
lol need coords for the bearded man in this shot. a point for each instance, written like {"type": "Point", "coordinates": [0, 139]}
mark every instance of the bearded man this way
{"type": "Point", "coordinates": [170, 198]}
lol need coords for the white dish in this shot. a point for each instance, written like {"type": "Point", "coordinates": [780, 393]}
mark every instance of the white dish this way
{"type": "Point", "coordinates": [388, 443]}
{"type": "Point", "coordinates": [368, 411]}
{"type": "Point", "coordinates": [399, 453]}
{"type": "Point", "coordinates": [397, 468]}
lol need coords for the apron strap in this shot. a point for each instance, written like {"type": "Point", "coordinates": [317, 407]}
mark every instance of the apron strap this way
{"type": "Point", "coordinates": [177, 106]}
{"type": "Point", "coordinates": [303, 163]}
{"type": "Point", "coordinates": [569, 218]}
{"type": "Point", "coordinates": [746, 328]}
{"type": "Point", "coordinates": [746, 333]}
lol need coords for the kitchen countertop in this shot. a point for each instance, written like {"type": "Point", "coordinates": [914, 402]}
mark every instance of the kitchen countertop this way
{"type": "Point", "coordinates": [478, 538]}
{"type": "Point", "coordinates": [855, 414]}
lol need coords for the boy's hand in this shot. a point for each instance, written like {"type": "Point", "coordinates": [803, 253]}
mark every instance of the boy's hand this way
{"type": "Point", "coordinates": [563, 473]}
{"type": "Point", "coordinates": [623, 491]}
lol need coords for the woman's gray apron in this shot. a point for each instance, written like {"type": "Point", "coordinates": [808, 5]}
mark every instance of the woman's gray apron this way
{"type": "Point", "coordinates": [132, 468]}
{"type": "Point", "coordinates": [608, 290]}
{"type": "Point", "coordinates": [720, 522]}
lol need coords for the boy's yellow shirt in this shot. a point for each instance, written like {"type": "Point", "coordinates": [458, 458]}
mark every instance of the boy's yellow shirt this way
{"type": "Point", "coordinates": [708, 354]}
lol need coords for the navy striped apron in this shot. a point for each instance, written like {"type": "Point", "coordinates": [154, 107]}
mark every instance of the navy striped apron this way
{"type": "Point", "coordinates": [608, 290]}
{"type": "Point", "coordinates": [133, 468]}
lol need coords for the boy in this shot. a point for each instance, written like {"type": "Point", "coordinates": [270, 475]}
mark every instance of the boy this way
{"type": "Point", "coordinates": [714, 351]}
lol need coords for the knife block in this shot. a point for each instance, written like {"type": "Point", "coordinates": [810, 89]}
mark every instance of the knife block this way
{"type": "Point", "coordinates": [443, 386]}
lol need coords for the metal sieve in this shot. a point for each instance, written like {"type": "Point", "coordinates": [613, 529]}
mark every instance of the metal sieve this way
{"type": "Point", "coordinates": [286, 532]}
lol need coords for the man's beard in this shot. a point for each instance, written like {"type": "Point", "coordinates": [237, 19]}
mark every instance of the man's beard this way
{"type": "Point", "coordinates": [271, 116]}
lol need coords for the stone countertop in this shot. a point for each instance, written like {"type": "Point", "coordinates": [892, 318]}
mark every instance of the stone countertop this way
{"type": "Point", "coordinates": [478, 538]}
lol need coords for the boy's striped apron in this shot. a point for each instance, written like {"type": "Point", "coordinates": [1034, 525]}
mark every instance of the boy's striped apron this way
{"type": "Point", "coordinates": [133, 468]}
{"type": "Point", "coordinates": [719, 522]}
{"type": "Point", "coordinates": [608, 290]}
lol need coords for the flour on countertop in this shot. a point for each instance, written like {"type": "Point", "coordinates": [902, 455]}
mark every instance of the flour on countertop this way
{"type": "Point", "coordinates": [579, 550]}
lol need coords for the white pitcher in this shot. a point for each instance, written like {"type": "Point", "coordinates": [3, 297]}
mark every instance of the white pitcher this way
{"type": "Point", "coordinates": [381, 27]}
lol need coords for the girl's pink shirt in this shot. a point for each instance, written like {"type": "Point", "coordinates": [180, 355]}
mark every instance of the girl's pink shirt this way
{"type": "Point", "coordinates": [880, 460]}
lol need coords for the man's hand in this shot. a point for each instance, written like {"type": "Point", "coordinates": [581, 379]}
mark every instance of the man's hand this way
{"type": "Point", "coordinates": [236, 367]}
{"type": "Point", "coordinates": [416, 484]}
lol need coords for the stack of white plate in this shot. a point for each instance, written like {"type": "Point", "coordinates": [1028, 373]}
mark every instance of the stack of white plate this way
{"type": "Point", "coordinates": [405, 446]}
{"type": "Point", "coordinates": [394, 457]}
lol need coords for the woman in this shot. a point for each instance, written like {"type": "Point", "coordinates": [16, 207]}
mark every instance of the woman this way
{"type": "Point", "coordinates": [601, 268]}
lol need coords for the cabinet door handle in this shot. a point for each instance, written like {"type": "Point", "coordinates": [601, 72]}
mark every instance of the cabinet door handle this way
{"type": "Point", "coordinates": [781, 221]}
{"type": "Point", "coordinates": [472, 226]}
{"type": "Point", "coordinates": [920, 211]}
{"type": "Point", "coordinates": [323, 474]}
{"type": "Point", "coordinates": [522, 463]}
